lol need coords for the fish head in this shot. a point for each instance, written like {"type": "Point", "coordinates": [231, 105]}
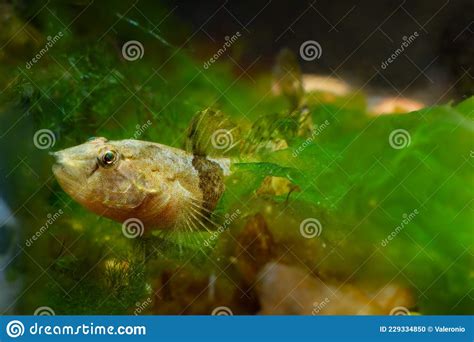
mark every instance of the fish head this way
{"type": "Point", "coordinates": [107, 177]}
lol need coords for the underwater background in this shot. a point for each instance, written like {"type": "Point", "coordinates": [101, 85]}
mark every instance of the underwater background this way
{"type": "Point", "coordinates": [334, 206]}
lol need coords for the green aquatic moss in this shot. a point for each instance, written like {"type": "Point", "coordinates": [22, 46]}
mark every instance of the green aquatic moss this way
{"type": "Point", "coordinates": [393, 214]}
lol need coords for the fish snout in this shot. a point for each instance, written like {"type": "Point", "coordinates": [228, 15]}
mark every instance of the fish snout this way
{"type": "Point", "coordinates": [62, 163]}
{"type": "Point", "coordinates": [58, 165]}
{"type": "Point", "coordinates": [58, 156]}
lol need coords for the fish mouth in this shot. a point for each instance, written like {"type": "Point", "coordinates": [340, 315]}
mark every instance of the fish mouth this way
{"type": "Point", "coordinates": [60, 160]}
{"type": "Point", "coordinates": [59, 171]}
{"type": "Point", "coordinates": [66, 179]}
{"type": "Point", "coordinates": [72, 170]}
{"type": "Point", "coordinates": [58, 166]}
{"type": "Point", "coordinates": [57, 156]}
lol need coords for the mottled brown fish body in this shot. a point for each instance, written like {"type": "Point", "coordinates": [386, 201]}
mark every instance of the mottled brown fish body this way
{"type": "Point", "coordinates": [161, 186]}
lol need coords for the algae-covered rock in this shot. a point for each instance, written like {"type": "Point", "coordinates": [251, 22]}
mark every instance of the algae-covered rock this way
{"type": "Point", "coordinates": [290, 290]}
{"type": "Point", "coordinates": [188, 291]}
{"type": "Point", "coordinates": [254, 248]}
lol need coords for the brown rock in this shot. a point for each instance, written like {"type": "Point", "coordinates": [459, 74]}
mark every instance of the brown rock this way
{"type": "Point", "coordinates": [288, 290]}
{"type": "Point", "coordinates": [392, 296]}
{"type": "Point", "coordinates": [395, 105]}
{"type": "Point", "coordinates": [255, 247]}
{"type": "Point", "coordinates": [276, 186]}
{"type": "Point", "coordinates": [326, 84]}
{"type": "Point", "coordinates": [190, 291]}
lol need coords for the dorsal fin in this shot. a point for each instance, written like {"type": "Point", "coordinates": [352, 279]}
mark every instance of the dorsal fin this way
{"type": "Point", "coordinates": [287, 77]}
{"type": "Point", "coordinates": [212, 133]}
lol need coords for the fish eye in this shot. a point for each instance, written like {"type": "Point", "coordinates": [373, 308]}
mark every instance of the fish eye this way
{"type": "Point", "coordinates": [108, 158]}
